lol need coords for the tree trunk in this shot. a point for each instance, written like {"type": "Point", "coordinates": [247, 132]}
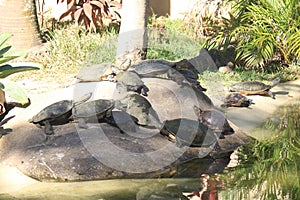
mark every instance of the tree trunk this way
{"type": "Point", "coordinates": [19, 18]}
{"type": "Point", "coordinates": [133, 37]}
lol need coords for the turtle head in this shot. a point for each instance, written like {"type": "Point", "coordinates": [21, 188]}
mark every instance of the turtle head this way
{"type": "Point", "coordinates": [197, 110]}
{"type": "Point", "coordinates": [275, 82]}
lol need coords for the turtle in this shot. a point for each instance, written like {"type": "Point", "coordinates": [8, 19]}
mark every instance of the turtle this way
{"type": "Point", "coordinates": [98, 72]}
{"type": "Point", "coordinates": [92, 111]}
{"type": "Point", "coordinates": [215, 120]}
{"type": "Point", "coordinates": [139, 107]}
{"type": "Point", "coordinates": [185, 76]}
{"type": "Point", "coordinates": [57, 113]}
{"type": "Point", "coordinates": [254, 87]}
{"type": "Point", "coordinates": [185, 64]}
{"type": "Point", "coordinates": [128, 58]}
{"type": "Point", "coordinates": [188, 132]}
{"type": "Point", "coordinates": [131, 81]}
{"type": "Point", "coordinates": [236, 100]}
{"type": "Point", "coordinates": [152, 68]}
{"type": "Point", "coordinates": [185, 73]}
{"type": "Point", "coordinates": [123, 121]}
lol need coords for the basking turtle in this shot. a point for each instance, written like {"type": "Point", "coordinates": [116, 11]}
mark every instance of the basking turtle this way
{"type": "Point", "coordinates": [140, 108]}
{"type": "Point", "coordinates": [152, 68]}
{"type": "Point", "coordinates": [255, 87]}
{"type": "Point", "coordinates": [123, 121]}
{"type": "Point", "coordinates": [236, 100]}
{"type": "Point", "coordinates": [186, 132]}
{"type": "Point", "coordinates": [98, 72]}
{"type": "Point", "coordinates": [132, 82]}
{"type": "Point", "coordinates": [185, 76]}
{"type": "Point", "coordinates": [57, 113]}
{"type": "Point", "coordinates": [188, 74]}
{"type": "Point", "coordinates": [185, 64]}
{"type": "Point", "coordinates": [92, 111]}
{"type": "Point", "coordinates": [215, 120]}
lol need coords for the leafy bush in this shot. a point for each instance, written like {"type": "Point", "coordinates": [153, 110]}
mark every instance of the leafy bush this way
{"type": "Point", "coordinates": [263, 31]}
{"type": "Point", "coordinates": [92, 13]}
{"type": "Point", "coordinates": [205, 17]}
{"type": "Point", "coordinates": [11, 89]}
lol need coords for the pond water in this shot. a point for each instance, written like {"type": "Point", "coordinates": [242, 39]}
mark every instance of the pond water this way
{"type": "Point", "coordinates": [268, 168]}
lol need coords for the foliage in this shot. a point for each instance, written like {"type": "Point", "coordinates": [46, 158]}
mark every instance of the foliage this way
{"type": "Point", "coordinates": [7, 69]}
{"type": "Point", "coordinates": [169, 45]}
{"type": "Point", "coordinates": [69, 48]}
{"type": "Point", "coordinates": [271, 166]}
{"type": "Point", "coordinates": [205, 17]}
{"type": "Point", "coordinates": [263, 31]}
{"type": "Point", "coordinates": [92, 13]}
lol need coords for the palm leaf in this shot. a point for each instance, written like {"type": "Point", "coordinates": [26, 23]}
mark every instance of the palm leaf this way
{"type": "Point", "coordinates": [8, 69]}
{"type": "Point", "coordinates": [4, 37]}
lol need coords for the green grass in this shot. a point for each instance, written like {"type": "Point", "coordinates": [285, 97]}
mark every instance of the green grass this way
{"type": "Point", "coordinates": [286, 74]}
{"type": "Point", "coordinates": [70, 47]}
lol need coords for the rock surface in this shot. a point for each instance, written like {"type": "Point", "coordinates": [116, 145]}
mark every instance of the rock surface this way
{"type": "Point", "coordinates": [102, 151]}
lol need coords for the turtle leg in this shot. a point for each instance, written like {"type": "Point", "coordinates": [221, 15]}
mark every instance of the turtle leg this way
{"type": "Point", "coordinates": [271, 94]}
{"type": "Point", "coordinates": [144, 90]}
{"type": "Point", "coordinates": [48, 128]}
{"type": "Point", "coordinates": [82, 123]}
{"type": "Point", "coordinates": [216, 146]}
{"type": "Point", "coordinates": [225, 105]}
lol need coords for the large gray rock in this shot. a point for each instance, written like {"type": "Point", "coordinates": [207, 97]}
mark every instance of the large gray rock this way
{"type": "Point", "coordinates": [203, 62]}
{"type": "Point", "coordinates": [102, 151]}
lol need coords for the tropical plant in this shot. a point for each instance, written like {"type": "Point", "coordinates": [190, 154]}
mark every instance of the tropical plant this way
{"type": "Point", "coordinates": [92, 13]}
{"type": "Point", "coordinates": [7, 87]}
{"type": "Point", "coordinates": [271, 166]}
{"type": "Point", "coordinates": [263, 31]}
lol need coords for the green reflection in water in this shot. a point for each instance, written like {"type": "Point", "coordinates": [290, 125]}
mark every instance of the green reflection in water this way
{"type": "Point", "coordinates": [269, 169]}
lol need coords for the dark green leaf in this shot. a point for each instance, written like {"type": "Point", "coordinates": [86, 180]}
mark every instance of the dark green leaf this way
{"type": "Point", "coordinates": [8, 69]}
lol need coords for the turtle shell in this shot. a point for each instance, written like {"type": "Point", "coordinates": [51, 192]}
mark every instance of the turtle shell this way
{"type": "Point", "coordinates": [250, 87]}
{"type": "Point", "coordinates": [93, 109]}
{"type": "Point", "coordinates": [125, 122]}
{"type": "Point", "coordinates": [189, 74]}
{"type": "Point", "coordinates": [187, 132]}
{"type": "Point", "coordinates": [129, 78]}
{"type": "Point", "coordinates": [131, 82]}
{"type": "Point", "coordinates": [150, 68]}
{"type": "Point", "coordinates": [98, 72]}
{"type": "Point", "coordinates": [215, 120]}
{"type": "Point", "coordinates": [56, 113]}
{"type": "Point", "coordinates": [185, 64]}
{"type": "Point", "coordinates": [236, 100]}
{"type": "Point", "coordinates": [254, 87]}
{"type": "Point", "coordinates": [140, 108]}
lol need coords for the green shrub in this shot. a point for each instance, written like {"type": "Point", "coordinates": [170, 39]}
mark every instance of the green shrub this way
{"type": "Point", "coordinates": [11, 89]}
{"type": "Point", "coordinates": [263, 31]}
